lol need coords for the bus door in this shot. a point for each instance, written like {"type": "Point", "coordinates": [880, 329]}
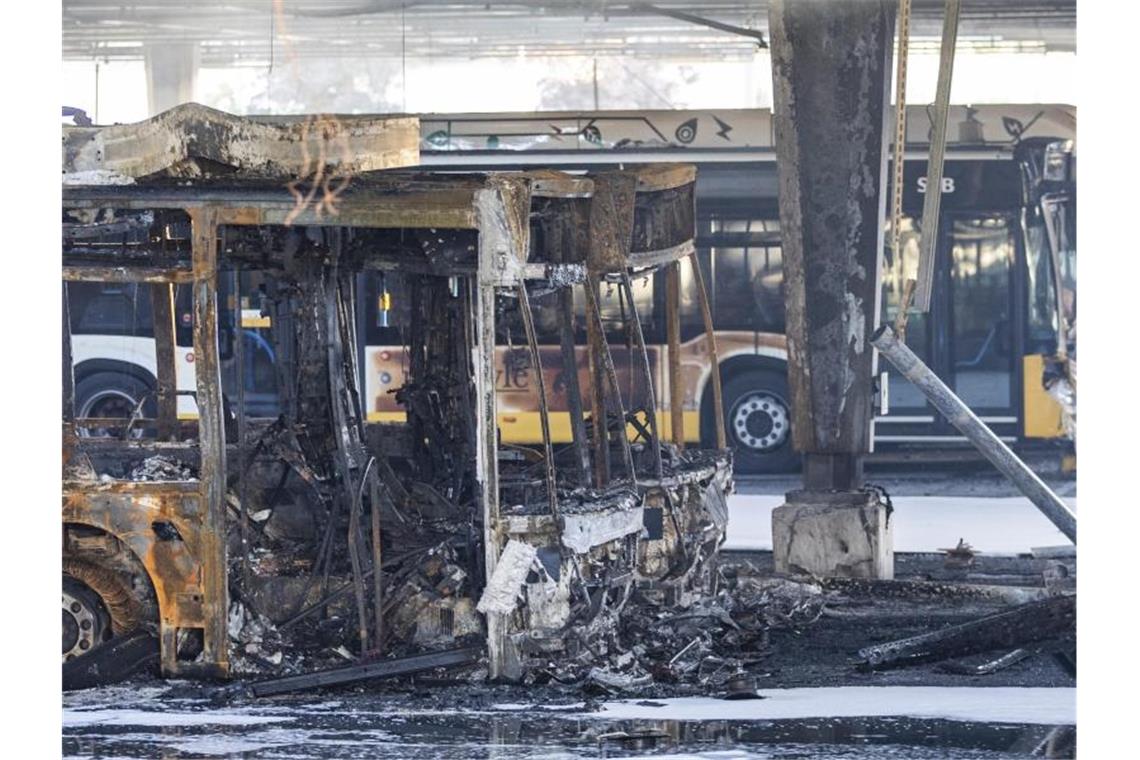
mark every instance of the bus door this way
{"type": "Point", "coordinates": [968, 335]}
{"type": "Point", "coordinates": [909, 417]}
{"type": "Point", "coordinates": [979, 253]}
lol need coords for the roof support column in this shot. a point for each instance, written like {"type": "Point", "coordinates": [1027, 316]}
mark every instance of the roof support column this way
{"type": "Point", "coordinates": [831, 76]}
{"type": "Point", "coordinates": [171, 75]}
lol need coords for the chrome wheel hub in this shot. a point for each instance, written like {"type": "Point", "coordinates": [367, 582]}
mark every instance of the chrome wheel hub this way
{"type": "Point", "coordinates": [83, 625]}
{"type": "Point", "coordinates": [760, 421]}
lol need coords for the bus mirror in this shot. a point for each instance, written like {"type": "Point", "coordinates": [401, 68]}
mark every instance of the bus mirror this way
{"type": "Point", "coordinates": [883, 394]}
{"type": "Point", "coordinates": [1057, 159]}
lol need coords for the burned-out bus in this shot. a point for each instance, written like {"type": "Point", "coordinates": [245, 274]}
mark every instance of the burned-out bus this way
{"type": "Point", "coordinates": [233, 542]}
{"type": "Point", "coordinates": [1009, 204]}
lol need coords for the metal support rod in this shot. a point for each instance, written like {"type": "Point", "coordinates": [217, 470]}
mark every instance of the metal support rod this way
{"type": "Point", "coordinates": [714, 362]}
{"type": "Point", "coordinates": [932, 204]}
{"type": "Point", "coordinates": [68, 363]}
{"type": "Point", "coordinates": [960, 416]}
{"type": "Point", "coordinates": [594, 338]}
{"type": "Point", "coordinates": [166, 390]}
{"type": "Point", "coordinates": [573, 388]}
{"type": "Point", "coordinates": [702, 21]}
{"type": "Point", "coordinates": [377, 560]}
{"type": "Point", "coordinates": [1048, 206]}
{"type": "Point", "coordinates": [673, 337]}
{"type": "Point", "coordinates": [610, 373]}
{"type": "Point", "coordinates": [543, 407]}
{"type": "Point", "coordinates": [368, 671]}
{"type": "Point", "coordinates": [243, 469]}
{"type": "Point", "coordinates": [350, 493]}
{"type": "Point", "coordinates": [899, 160]}
{"type": "Point", "coordinates": [639, 338]}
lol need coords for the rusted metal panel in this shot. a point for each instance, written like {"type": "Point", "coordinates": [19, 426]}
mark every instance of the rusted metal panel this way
{"type": "Point", "coordinates": [178, 568]}
{"type": "Point", "coordinates": [656, 177]}
{"type": "Point", "coordinates": [309, 147]}
{"type": "Point", "coordinates": [611, 221]}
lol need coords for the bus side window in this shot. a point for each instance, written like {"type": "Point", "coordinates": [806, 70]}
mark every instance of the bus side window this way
{"type": "Point", "coordinates": [183, 315]}
{"type": "Point", "coordinates": [611, 303]}
{"type": "Point", "coordinates": [386, 308]}
{"type": "Point", "coordinates": [121, 309]}
{"type": "Point", "coordinates": [748, 276]}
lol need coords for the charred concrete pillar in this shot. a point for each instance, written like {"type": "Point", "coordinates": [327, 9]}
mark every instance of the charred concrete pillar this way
{"type": "Point", "coordinates": [171, 75]}
{"type": "Point", "coordinates": [831, 75]}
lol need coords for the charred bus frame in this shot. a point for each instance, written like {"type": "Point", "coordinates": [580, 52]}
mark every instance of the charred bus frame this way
{"type": "Point", "coordinates": [625, 508]}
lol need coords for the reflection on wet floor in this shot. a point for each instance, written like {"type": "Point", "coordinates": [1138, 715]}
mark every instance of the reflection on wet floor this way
{"type": "Point", "coordinates": [340, 730]}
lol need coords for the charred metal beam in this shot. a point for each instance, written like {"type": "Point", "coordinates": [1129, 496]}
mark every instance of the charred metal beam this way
{"type": "Point", "coordinates": [112, 661]}
{"type": "Point", "coordinates": [595, 339]}
{"type": "Point", "coordinates": [543, 406]}
{"type": "Point", "coordinates": [1024, 624]}
{"type": "Point", "coordinates": [960, 416]}
{"type": "Point", "coordinates": [304, 147]}
{"type": "Point", "coordinates": [604, 359]}
{"type": "Point", "coordinates": [714, 360]}
{"type": "Point", "coordinates": [211, 437]}
{"type": "Point", "coordinates": [151, 274]}
{"type": "Point", "coordinates": [673, 337]}
{"type": "Point", "coordinates": [68, 364]}
{"type": "Point", "coordinates": [166, 390]}
{"type": "Point", "coordinates": [650, 381]}
{"type": "Point", "coordinates": [399, 666]}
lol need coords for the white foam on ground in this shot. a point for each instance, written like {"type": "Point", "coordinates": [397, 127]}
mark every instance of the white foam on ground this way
{"type": "Point", "coordinates": [112, 717]}
{"type": "Point", "coordinates": [1045, 706]}
{"type": "Point", "coordinates": [997, 525]}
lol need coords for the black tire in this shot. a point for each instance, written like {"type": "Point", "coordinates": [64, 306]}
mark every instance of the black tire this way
{"type": "Point", "coordinates": [111, 394]}
{"type": "Point", "coordinates": [757, 422]}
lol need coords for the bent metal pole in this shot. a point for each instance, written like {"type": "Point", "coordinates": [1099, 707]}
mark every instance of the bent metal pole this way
{"type": "Point", "coordinates": [975, 430]}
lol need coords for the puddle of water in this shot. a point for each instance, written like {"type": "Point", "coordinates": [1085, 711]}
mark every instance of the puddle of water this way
{"type": "Point", "coordinates": [326, 734]}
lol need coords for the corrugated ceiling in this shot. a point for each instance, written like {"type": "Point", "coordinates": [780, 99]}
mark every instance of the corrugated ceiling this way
{"type": "Point", "coordinates": [249, 32]}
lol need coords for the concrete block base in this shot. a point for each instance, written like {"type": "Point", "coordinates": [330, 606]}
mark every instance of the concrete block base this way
{"type": "Point", "coordinates": [833, 535]}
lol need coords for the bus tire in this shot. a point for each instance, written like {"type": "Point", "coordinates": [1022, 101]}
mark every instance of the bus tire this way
{"type": "Point", "coordinates": [111, 394]}
{"type": "Point", "coordinates": [757, 422]}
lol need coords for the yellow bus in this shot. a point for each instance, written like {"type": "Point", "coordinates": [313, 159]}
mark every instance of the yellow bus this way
{"type": "Point", "coordinates": [1008, 199]}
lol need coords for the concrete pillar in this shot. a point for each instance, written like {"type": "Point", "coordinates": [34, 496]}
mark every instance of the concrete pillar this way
{"type": "Point", "coordinates": [831, 76]}
{"type": "Point", "coordinates": [171, 75]}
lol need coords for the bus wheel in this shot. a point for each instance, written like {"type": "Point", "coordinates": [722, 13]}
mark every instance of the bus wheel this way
{"type": "Point", "coordinates": [97, 605]}
{"type": "Point", "coordinates": [109, 395]}
{"type": "Point", "coordinates": [758, 422]}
